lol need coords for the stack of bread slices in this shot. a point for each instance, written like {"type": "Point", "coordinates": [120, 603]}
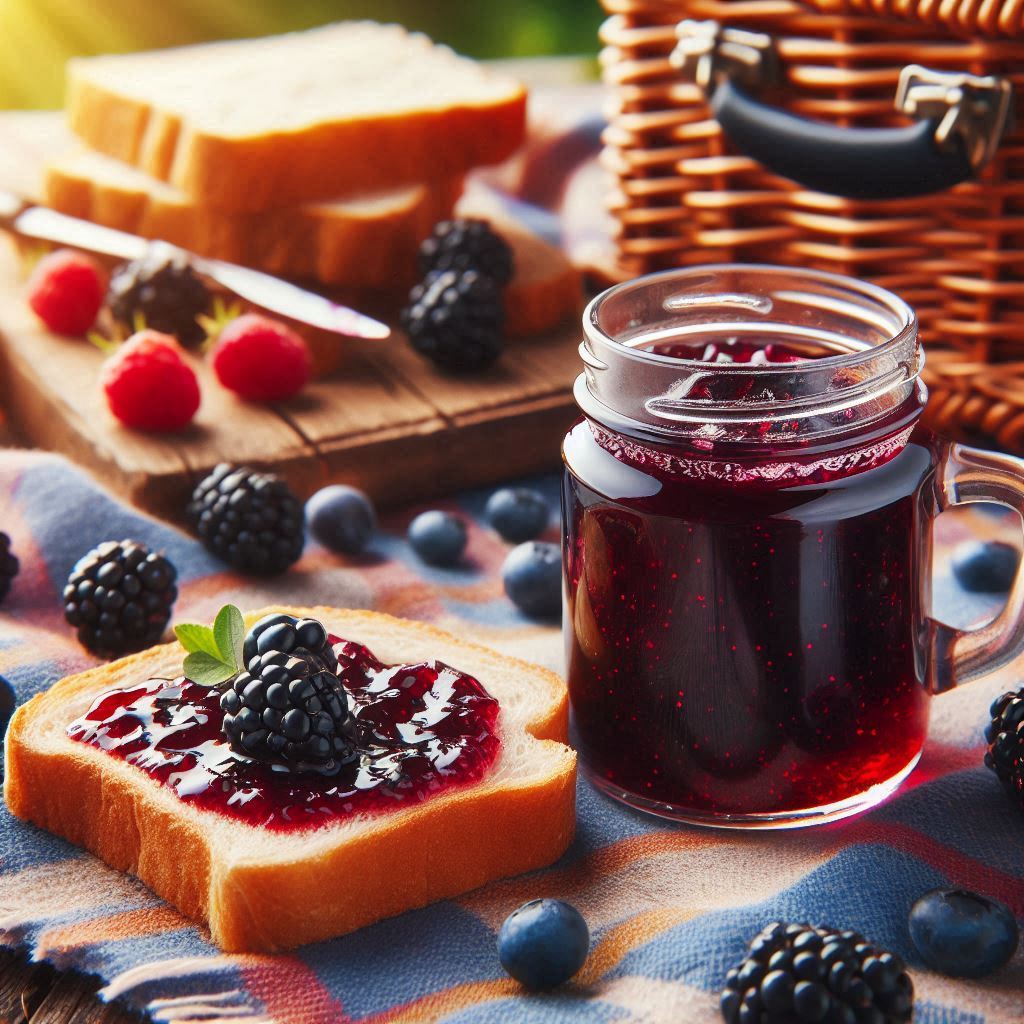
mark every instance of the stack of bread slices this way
{"type": "Point", "coordinates": [324, 155]}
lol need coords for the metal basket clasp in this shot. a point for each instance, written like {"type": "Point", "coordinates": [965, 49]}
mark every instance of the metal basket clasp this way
{"type": "Point", "coordinates": [708, 50]}
{"type": "Point", "coordinates": [977, 110]}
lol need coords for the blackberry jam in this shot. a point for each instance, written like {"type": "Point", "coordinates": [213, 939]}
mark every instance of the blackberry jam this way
{"type": "Point", "coordinates": [420, 730]}
{"type": "Point", "coordinates": [746, 506]}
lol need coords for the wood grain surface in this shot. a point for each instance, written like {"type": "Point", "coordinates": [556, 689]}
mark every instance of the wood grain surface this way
{"type": "Point", "coordinates": [39, 994]}
{"type": "Point", "coordinates": [385, 420]}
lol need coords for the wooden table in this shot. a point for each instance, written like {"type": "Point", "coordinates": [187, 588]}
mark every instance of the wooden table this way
{"type": "Point", "coordinates": [39, 994]}
{"type": "Point", "coordinates": [385, 420]}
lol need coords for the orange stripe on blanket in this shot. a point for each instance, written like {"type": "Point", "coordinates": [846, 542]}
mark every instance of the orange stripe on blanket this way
{"type": "Point", "coordinates": [130, 924]}
{"type": "Point", "coordinates": [607, 954]}
{"type": "Point", "coordinates": [433, 1007]}
{"type": "Point", "coordinates": [606, 860]}
{"type": "Point", "coordinates": [621, 940]}
{"type": "Point", "coordinates": [290, 991]}
{"type": "Point", "coordinates": [494, 901]}
{"type": "Point", "coordinates": [408, 599]}
{"type": "Point", "coordinates": [476, 593]}
{"type": "Point", "coordinates": [79, 882]}
{"type": "Point", "coordinates": [411, 597]}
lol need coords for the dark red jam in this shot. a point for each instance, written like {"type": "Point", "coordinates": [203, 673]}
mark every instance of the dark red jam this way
{"type": "Point", "coordinates": [738, 349]}
{"type": "Point", "coordinates": [744, 634]}
{"type": "Point", "coordinates": [421, 729]}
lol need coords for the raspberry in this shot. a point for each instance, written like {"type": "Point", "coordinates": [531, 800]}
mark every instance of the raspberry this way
{"type": "Point", "coordinates": [149, 385]}
{"type": "Point", "coordinates": [261, 359]}
{"type": "Point", "coordinates": [66, 291]}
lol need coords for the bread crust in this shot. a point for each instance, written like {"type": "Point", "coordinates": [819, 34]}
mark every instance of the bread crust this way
{"type": "Point", "coordinates": [260, 894]}
{"type": "Point", "coordinates": [251, 173]}
{"type": "Point", "coordinates": [546, 290]}
{"type": "Point", "coordinates": [370, 245]}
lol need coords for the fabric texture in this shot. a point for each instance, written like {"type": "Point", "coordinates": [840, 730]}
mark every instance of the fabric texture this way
{"type": "Point", "coordinates": [671, 908]}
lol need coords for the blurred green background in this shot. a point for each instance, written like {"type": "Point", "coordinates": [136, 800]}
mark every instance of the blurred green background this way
{"type": "Point", "coordinates": [38, 36]}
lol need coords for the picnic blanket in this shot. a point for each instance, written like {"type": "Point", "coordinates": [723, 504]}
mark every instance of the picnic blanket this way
{"type": "Point", "coordinates": [670, 908]}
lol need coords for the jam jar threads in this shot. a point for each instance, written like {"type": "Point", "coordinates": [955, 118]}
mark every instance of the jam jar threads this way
{"type": "Point", "coordinates": [746, 507]}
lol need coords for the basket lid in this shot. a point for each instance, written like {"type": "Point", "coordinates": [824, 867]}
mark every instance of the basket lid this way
{"type": "Point", "coordinates": [999, 18]}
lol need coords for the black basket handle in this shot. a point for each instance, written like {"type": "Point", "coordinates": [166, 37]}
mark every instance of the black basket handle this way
{"type": "Point", "coordinates": [960, 120]}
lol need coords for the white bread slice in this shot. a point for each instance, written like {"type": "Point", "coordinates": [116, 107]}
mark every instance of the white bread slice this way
{"type": "Point", "coordinates": [546, 290]}
{"type": "Point", "coordinates": [260, 890]}
{"type": "Point", "coordinates": [253, 124]}
{"type": "Point", "coordinates": [367, 241]}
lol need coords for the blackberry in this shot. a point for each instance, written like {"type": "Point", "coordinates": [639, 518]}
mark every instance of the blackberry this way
{"type": "Point", "coordinates": [165, 290]}
{"type": "Point", "coordinates": [455, 319]}
{"type": "Point", "coordinates": [9, 565]}
{"type": "Point", "coordinates": [796, 972]}
{"type": "Point", "coordinates": [1005, 736]}
{"type": "Point", "coordinates": [467, 243]}
{"type": "Point", "coordinates": [288, 706]}
{"type": "Point", "coordinates": [282, 632]}
{"type": "Point", "coordinates": [251, 520]}
{"type": "Point", "coordinates": [119, 597]}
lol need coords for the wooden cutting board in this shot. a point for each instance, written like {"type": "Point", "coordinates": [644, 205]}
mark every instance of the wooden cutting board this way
{"type": "Point", "coordinates": [385, 420]}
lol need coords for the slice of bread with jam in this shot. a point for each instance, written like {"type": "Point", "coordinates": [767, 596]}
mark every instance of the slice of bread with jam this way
{"type": "Point", "coordinates": [273, 875]}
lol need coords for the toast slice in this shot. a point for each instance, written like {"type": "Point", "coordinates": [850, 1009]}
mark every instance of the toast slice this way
{"type": "Point", "coordinates": [367, 241]}
{"type": "Point", "coordinates": [546, 290]}
{"type": "Point", "coordinates": [253, 124]}
{"type": "Point", "coordinates": [260, 890]}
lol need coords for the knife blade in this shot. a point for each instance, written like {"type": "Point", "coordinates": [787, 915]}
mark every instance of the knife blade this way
{"type": "Point", "coordinates": [264, 290]}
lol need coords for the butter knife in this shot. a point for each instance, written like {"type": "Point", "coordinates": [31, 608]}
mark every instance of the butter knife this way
{"type": "Point", "coordinates": [263, 290]}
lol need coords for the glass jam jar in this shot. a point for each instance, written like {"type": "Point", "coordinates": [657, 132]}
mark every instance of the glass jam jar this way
{"type": "Point", "coordinates": [747, 510]}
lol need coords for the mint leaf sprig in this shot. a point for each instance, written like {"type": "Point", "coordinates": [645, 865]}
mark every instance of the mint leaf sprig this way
{"type": "Point", "coordinates": [214, 653]}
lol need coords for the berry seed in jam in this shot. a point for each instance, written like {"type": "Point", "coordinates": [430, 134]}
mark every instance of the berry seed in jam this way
{"type": "Point", "coordinates": [737, 349]}
{"type": "Point", "coordinates": [743, 552]}
{"type": "Point", "coordinates": [742, 649]}
{"type": "Point", "coordinates": [420, 729]}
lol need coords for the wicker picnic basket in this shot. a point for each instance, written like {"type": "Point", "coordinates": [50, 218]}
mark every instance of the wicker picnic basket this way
{"type": "Point", "coordinates": [688, 191]}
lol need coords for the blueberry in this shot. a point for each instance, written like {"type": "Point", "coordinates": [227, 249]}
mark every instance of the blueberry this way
{"type": "Point", "coordinates": [517, 513]}
{"type": "Point", "coordinates": [961, 933]}
{"type": "Point", "coordinates": [985, 567]}
{"type": "Point", "coordinates": [532, 575]}
{"type": "Point", "coordinates": [341, 518]}
{"type": "Point", "coordinates": [543, 943]}
{"type": "Point", "coordinates": [439, 538]}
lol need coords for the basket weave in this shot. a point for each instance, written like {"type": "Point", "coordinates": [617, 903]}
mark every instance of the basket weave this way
{"type": "Point", "coordinates": [682, 197]}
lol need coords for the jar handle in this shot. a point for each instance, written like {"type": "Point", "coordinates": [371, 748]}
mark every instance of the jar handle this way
{"type": "Point", "coordinates": [961, 655]}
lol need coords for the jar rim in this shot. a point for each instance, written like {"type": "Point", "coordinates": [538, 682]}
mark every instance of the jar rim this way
{"type": "Point", "coordinates": [873, 333]}
{"type": "Point", "coordinates": [882, 296]}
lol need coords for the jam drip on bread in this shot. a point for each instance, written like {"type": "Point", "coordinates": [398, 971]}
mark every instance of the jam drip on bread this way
{"type": "Point", "coordinates": [419, 730]}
